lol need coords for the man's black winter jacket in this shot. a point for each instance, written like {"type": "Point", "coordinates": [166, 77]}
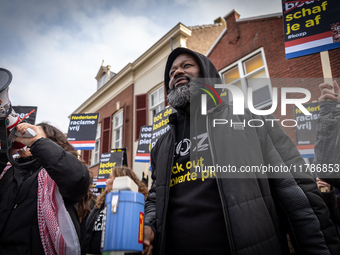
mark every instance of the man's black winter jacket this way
{"type": "Point", "coordinates": [260, 209]}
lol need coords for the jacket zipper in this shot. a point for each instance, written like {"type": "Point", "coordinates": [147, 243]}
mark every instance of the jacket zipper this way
{"type": "Point", "coordinates": [167, 195]}
{"type": "Point", "coordinates": [225, 213]}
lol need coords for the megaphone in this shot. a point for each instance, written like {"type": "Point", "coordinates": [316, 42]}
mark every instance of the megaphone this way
{"type": "Point", "coordinates": [5, 104]}
{"type": "Point", "coordinates": [9, 119]}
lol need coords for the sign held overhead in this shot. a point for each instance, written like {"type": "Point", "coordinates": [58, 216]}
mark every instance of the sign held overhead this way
{"type": "Point", "coordinates": [82, 130]}
{"type": "Point", "coordinates": [310, 26]}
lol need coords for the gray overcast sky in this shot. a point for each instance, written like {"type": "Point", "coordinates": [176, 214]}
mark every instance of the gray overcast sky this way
{"type": "Point", "coordinates": [54, 48]}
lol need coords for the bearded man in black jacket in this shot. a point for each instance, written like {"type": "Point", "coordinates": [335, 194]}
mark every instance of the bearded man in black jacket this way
{"type": "Point", "coordinates": [208, 212]}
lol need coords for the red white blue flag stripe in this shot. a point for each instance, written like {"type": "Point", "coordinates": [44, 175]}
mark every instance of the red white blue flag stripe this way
{"type": "Point", "coordinates": [310, 44]}
{"type": "Point", "coordinates": [101, 183]}
{"type": "Point", "coordinates": [83, 145]}
{"type": "Point", "coordinates": [306, 151]}
{"type": "Point", "coordinates": [142, 157]}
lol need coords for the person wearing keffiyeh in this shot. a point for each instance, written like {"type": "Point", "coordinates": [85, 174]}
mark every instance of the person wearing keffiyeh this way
{"type": "Point", "coordinates": [38, 202]}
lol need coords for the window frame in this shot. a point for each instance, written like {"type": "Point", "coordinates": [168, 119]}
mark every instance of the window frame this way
{"type": "Point", "coordinates": [103, 80]}
{"type": "Point", "coordinates": [141, 113]}
{"type": "Point", "coordinates": [243, 77]}
{"type": "Point", "coordinates": [120, 127]}
{"type": "Point", "coordinates": [96, 150]}
{"type": "Point", "coordinates": [160, 91]}
{"type": "Point", "coordinates": [105, 139]}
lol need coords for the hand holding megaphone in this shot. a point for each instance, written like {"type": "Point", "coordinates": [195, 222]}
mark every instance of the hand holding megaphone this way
{"type": "Point", "coordinates": [27, 134]}
{"type": "Point", "coordinates": [12, 121]}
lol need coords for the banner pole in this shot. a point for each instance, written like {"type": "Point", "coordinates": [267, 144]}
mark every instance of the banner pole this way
{"type": "Point", "coordinates": [147, 166]}
{"type": "Point", "coordinates": [326, 68]}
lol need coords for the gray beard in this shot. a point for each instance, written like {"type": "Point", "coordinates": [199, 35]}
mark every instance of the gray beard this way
{"type": "Point", "coordinates": [180, 96]}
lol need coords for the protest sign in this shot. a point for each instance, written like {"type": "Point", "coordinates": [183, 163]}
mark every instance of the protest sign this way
{"type": "Point", "coordinates": [305, 129]}
{"type": "Point", "coordinates": [82, 131]}
{"type": "Point", "coordinates": [124, 156]}
{"type": "Point", "coordinates": [108, 161]}
{"type": "Point", "coordinates": [160, 124]}
{"type": "Point", "coordinates": [310, 26]}
{"type": "Point", "coordinates": [144, 144]}
{"type": "Point", "coordinates": [22, 111]}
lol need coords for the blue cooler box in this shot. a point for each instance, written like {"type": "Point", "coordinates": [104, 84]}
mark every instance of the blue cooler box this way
{"type": "Point", "coordinates": [123, 223]}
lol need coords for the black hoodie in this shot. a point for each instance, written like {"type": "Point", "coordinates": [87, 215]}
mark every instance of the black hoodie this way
{"type": "Point", "coordinates": [195, 222]}
{"type": "Point", "coordinates": [208, 70]}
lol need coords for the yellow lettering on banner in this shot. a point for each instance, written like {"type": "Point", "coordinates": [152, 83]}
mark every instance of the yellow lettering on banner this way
{"type": "Point", "coordinates": [303, 13]}
{"type": "Point", "coordinates": [296, 16]}
{"type": "Point", "coordinates": [316, 9]}
{"type": "Point", "coordinates": [289, 17]}
{"type": "Point", "coordinates": [296, 27]}
{"type": "Point", "coordinates": [164, 122]}
{"type": "Point", "coordinates": [83, 117]}
{"type": "Point", "coordinates": [310, 23]}
{"type": "Point", "coordinates": [160, 124]}
{"type": "Point", "coordinates": [156, 126]}
{"type": "Point", "coordinates": [107, 165]}
{"type": "Point", "coordinates": [157, 118]}
{"type": "Point", "coordinates": [309, 109]}
{"type": "Point", "coordinates": [105, 171]}
{"type": "Point", "coordinates": [168, 112]}
{"type": "Point", "coordinates": [288, 29]}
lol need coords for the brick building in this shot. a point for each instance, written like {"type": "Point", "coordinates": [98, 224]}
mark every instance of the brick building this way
{"type": "Point", "coordinates": [252, 50]}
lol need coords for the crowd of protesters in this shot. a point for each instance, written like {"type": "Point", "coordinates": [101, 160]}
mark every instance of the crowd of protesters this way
{"type": "Point", "coordinates": [47, 206]}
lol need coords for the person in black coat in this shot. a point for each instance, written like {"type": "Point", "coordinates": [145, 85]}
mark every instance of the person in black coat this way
{"type": "Point", "coordinates": [330, 196]}
{"type": "Point", "coordinates": [203, 200]}
{"type": "Point", "coordinates": [38, 201]}
{"type": "Point", "coordinates": [327, 151]}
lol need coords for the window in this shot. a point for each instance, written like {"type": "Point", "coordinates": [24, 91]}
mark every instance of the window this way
{"type": "Point", "coordinates": [250, 72]}
{"type": "Point", "coordinates": [118, 130]}
{"type": "Point", "coordinates": [102, 81]}
{"type": "Point", "coordinates": [105, 139]}
{"type": "Point", "coordinates": [156, 100]}
{"type": "Point", "coordinates": [141, 113]}
{"type": "Point", "coordinates": [86, 156]}
{"type": "Point", "coordinates": [97, 146]}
